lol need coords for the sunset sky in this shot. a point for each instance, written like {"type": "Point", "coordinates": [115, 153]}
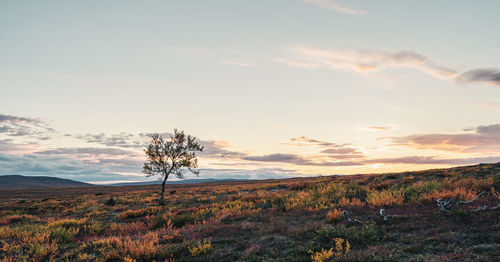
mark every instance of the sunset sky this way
{"type": "Point", "coordinates": [271, 88]}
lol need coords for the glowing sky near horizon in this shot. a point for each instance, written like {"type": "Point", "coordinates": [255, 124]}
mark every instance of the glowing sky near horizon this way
{"type": "Point", "coordinates": [272, 88]}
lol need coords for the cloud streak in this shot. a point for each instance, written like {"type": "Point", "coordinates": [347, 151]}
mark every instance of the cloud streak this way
{"type": "Point", "coordinates": [297, 160]}
{"type": "Point", "coordinates": [370, 60]}
{"type": "Point", "coordinates": [235, 63]}
{"type": "Point", "coordinates": [485, 139]}
{"type": "Point", "coordinates": [334, 6]}
{"type": "Point", "coordinates": [417, 160]}
{"type": "Point", "coordinates": [379, 128]}
{"type": "Point", "coordinates": [15, 126]}
{"type": "Point", "coordinates": [117, 140]}
{"type": "Point", "coordinates": [333, 150]}
{"type": "Point", "coordinates": [431, 160]}
{"type": "Point", "coordinates": [364, 61]}
{"type": "Point", "coordinates": [218, 149]}
{"type": "Point", "coordinates": [489, 76]}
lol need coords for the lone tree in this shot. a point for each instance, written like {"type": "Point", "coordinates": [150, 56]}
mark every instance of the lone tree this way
{"type": "Point", "coordinates": [175, 155]}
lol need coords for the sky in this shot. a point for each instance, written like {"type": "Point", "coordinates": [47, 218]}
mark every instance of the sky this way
{"type": "Point", "coordinates": [272, 89]}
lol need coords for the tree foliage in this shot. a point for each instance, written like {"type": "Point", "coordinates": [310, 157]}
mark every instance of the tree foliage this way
{"type": "Point", "coordinates": [175, 155]}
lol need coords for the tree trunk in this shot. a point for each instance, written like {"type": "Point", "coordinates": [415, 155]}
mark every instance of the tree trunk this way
{"type": "Point", "coordinates": [163, 190]}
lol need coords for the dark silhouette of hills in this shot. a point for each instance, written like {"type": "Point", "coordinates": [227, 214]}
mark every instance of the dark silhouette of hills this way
{"type": "Point", "coordinates": [178, 182]}
{"type": "Point", "coordinates": [27, 182]}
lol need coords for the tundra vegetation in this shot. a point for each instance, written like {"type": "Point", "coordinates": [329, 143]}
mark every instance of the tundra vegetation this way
{"type": "Point", "coordinates": [337, 218]}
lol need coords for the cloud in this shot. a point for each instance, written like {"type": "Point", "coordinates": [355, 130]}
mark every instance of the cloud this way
{"type": "Point", "coordinates": [364, 61]}
{"type": "Point", "coordinates": [284, 158]}
{"type": "Point", "coordinates": [484, 139]}
{"type": "Point", "coordinates": [213, 148]}
{"type": "Point", "coordinates": [67, 166]}
{"type": "Point", "coordinates": [92, 151]}
{"type": "Point", "coordinates": [297, 160]}
{"type": "Point", "coordinates": [217, 149]}
{"type": "Point", "coordinates": [15, 126]}
{"type": "Point", "coordinates": [235, 63]}
{"type": "Point", "coordinates": [333, 150]}
{"type": "Point", "coordinates": [345, 156]}
{"type": "Point", "coordinates": [334, 6]}
{"type": "Point", "coordinates": [10, 147]}
{"type": "Point", "coordinates": [341, 150]}
{"type": "Point", "coordinates": [379, 128]}
{"type": "Point", "coordinates": [416, 160]}
{"type": "Point", "coordinates": [17, 119]}
{"type": "Point", "coordinates": [481, 75]}
{"type": "Point", "coordinates": [369, 60]}
{"type": "Point", "coordinates": [259, 173]}
{"type": "Point", "coordinates": [303, 141]}
{"type": "Point", "coordinates": [117, 140]}
{"type": "Point", "coordinates": [430, 160]}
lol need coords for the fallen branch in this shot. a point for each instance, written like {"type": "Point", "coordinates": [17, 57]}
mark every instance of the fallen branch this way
{"type": "Point", "coordinates": [347, 217]}
{"type": "Point", "coordinates": [480, 208]}
{"type": "Point", "coordinates": [486, 208]}
{"type": "Point", "coordinates": [472, 200]}
{"type": "Point", "coordinates": [446, 205]}
{"type": "Point", "coordinates": [495, 207]}
{"type": "Point", "coordinates": [384, 215]}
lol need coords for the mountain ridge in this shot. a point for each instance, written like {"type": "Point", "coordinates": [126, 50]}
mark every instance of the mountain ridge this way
{"type": "Point", "coordinates": [32, 182]}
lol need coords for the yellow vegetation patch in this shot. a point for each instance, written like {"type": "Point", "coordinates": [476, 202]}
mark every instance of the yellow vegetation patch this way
{"type": "Point", "coordinates": [334, 215]}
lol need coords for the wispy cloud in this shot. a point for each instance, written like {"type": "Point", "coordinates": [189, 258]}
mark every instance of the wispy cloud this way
{"type": "Point", "coordinates": [116, 140]}
{"type": "Point", "coordinates": [364, 61]}
{"type": "Point", "coordinates": [420, 160]}
{"type": "Point", "coordinates": [298, 160]}
{"type": "Point", "coordinates": [333, 150]}
{"type": "Point", "coordinates": [88, 151]}
{"type": "Point", "coordinates": [481, 75]}
{"type": "Point", "coordinates": [369, 60]}
{"type": "Point", "coordinates": [306, 141]}
{"type": "Point", "coordinates": [219, 149]}
{"type": "Point", "coordinates": [483, 139]}
{"type": "Point", "coordinates": [488, 106]}
{"type": "Point", "coordinates": [378, 128]}
{"type": "Point", "coordinates": [431, 160]}
{"type": "Point", "coordinates": [213, 148]}
{"type": "Point", "coordinates": [334, 6]}
{"type": "Point", "coordinates": [234, 63]}
{"type": "Point", "coordinates": [16, 126]}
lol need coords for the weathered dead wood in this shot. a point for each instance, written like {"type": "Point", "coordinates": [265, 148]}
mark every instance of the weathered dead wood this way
{"type": "Point", "coordinates": [472, 200]}
{"type": "Point", "coordinates": [480, 208]}
{"type": "Point", "coordinates": [347, 217]}
{"type": "Point", "coordinates": [486, 208]}
{"type": "Point", "coordinates": [446, 205]}
{"type": "Point", "coordinates": [384, 215]}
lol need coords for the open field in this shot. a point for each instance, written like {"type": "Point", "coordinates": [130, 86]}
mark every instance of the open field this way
{"type": "Point", "coordinates": [280, 220]}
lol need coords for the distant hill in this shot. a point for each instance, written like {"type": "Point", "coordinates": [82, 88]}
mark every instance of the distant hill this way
{"type": "Point", "coordinates": [184, 181]}
{"type": "Point", "coordinates": [21, 182]}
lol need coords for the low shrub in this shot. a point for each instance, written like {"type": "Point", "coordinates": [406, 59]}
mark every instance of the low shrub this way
{"type": "Point", "coordinates": [385, 198]}
{"type": "Point", "coordinates": [278, 202]}
{"type": "Point", "coordinates": [364, 234]}
{"type": "Point", "coordinates": [183, 219]}
{"type": "Point", "coordinates": [341, 250]}
{"type": "Point", "coordinates": [129, 214]}
{"type": "Point", "coordinates": [63, 235]}
{"type": "Point", "coordinates": [200, 248]}
{"type": "Point", "coordinates": [67, 223]}
{"type": "Point", "coordinates": [334, 215]}
{"type": "Point", "coordinates": [357, 191]}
